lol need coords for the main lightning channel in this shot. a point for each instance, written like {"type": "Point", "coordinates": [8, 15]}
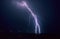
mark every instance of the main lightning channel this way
{"type": "Point", "coordinates": [37, 26]}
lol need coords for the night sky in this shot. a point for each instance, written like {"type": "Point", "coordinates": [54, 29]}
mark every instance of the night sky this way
{"type": "Point", "coordinates": [16, 19]}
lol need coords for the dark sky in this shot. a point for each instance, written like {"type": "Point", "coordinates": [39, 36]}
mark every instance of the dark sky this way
{"type": "Point", "coordinates": [17, 19]}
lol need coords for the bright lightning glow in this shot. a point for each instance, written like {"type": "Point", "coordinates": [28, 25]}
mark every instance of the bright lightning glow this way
{"type": "Point", "coordinates": [37, 26]}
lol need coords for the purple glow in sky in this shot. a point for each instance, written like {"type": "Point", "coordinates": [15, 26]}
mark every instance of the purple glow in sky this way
{"type": "Point", "coordinates": [37, 26]}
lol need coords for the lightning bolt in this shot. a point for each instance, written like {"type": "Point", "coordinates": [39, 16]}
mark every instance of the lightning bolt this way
{"type": "Point", "coordinates": [37, 26]}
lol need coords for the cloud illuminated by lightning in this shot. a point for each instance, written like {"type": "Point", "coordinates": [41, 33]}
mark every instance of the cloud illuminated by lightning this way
{"type": "Point", "coordinates": [37, 26]}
